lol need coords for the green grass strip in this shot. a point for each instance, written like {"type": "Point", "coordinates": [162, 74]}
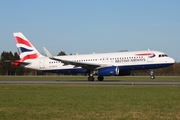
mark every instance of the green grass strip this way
{"type": "Point", "coordinates": [94, 102]}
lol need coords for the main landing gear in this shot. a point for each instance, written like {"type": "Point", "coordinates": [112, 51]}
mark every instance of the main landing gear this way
{"type": "Point", "coordinates": [152, 74]}
{"type": "Point", "coordinates": [91, 77]}
{"type": "Point", "coordinates": [100, 78]}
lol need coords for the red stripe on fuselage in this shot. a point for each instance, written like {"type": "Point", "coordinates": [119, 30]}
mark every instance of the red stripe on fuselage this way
{"type": "Point", "coordinates": [145, 54]}
{"type": "Point", "coordinates": [21, 41]}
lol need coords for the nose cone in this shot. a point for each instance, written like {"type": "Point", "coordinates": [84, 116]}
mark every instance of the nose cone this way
{"type": "Point", "coordinates": [171, 60]}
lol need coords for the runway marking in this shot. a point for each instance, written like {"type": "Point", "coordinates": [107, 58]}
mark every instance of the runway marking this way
{"type": "Point", "coordinates": [91, 82]}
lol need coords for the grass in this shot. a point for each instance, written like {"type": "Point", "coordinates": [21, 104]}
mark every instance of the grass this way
{"type": "Point", "coordinates": [89, 102]}
{"type": "Point", "coordinates": [119, 78]}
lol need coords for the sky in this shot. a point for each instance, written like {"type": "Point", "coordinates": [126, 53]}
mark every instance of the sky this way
{"type": "Point", "coordinates": [86, 26]}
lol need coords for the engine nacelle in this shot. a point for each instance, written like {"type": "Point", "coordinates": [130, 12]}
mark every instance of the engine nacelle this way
{"type": "Point", "coordinates": [108, 71]}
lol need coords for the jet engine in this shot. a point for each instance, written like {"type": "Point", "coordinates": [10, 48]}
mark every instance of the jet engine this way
{"type": "Point", "coordinates": [108, 71]}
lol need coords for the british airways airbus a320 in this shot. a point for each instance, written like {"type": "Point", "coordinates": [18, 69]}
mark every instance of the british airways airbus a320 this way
{"type": "Point", "coordinates": [104, 64]}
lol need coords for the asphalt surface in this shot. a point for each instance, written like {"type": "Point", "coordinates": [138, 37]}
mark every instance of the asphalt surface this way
{"type": "Point", "coordinates": [90, 82]}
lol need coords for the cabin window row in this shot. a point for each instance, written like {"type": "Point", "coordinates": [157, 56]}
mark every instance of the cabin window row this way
{"type": "Point", "coordinates": [100, 59]}
{"type": "Point", "coordinates": [125, 58]}
{"type": "Point", "coordinates": [54, 62]}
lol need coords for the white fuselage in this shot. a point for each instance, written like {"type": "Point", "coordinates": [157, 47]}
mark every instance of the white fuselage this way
{"type": "Point", "coordinates": [124, 60]}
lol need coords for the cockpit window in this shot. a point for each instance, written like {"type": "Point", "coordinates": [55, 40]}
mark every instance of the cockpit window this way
{"type": "Point", "coordinates": [163, 55]}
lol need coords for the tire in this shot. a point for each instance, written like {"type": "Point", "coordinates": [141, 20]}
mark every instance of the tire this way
{"type": "Point", "coordinates": [152, 77]}
{"type": "Point", "coordinates": [90, 78]}
{"type": "Point", "coordinates": [100, 78]}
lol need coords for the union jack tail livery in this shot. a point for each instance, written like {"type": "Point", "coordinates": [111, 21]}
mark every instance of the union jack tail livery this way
{"type": "Point", "coordinates": [25, 49]}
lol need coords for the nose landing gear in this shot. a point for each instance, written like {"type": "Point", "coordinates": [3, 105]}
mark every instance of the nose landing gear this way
{"type": "Point", "coordinates": [152, 74]}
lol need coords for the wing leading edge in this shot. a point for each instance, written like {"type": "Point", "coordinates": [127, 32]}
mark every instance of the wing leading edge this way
{"type": "Point", "coordinates": [84, 65]}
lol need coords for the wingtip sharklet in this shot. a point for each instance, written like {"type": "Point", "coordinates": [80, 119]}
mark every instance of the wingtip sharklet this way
{"type": "Point", "coordinates": [47, 53]}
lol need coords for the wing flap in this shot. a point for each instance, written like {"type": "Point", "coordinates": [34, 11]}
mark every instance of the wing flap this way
{"type": "Point", "coordinates": [77, 64]}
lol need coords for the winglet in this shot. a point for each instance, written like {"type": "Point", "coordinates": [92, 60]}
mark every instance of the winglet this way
{"type": "Point", "coordinates": [47, 53]}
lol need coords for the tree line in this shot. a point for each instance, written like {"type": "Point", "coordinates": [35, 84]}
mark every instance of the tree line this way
{"type": "Point", "coordinates": [7, 69]}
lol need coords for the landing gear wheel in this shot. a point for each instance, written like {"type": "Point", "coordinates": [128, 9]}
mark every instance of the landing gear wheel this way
{"type": "Point", "coordinates": [152, 76]}
{"type": "Point", "coordinates": [90, 78]}
{"type": "Point", "coordinates": [100, 78]}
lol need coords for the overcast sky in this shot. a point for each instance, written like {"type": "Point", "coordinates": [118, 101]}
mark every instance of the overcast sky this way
{"type": "Point", "coordinates": [86, 26]}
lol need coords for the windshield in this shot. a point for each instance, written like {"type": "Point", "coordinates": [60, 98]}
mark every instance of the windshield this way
{"type": "Point", "coordinates": [163, 55]}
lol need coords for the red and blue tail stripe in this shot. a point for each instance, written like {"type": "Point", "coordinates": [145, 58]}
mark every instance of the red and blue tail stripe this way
{"type": "Point", "coordinates": [29, 56]}
{"type": "Point", "coordinates": [21, 41]}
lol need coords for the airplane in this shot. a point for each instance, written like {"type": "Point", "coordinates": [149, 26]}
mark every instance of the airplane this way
{"type": "Point", "coordinates": [100, 64]}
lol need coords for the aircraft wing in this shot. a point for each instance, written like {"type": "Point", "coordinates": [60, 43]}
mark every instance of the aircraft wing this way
{"type": "Point", "coordinates": [76, 64]}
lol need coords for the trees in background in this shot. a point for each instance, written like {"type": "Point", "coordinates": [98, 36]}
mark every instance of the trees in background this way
{"type": "Point", "coordinates": [61, 53]}
{"type": "Point", "coordinates": [7, 69]}
{"type": "Point", "coordinates": [5, 64]}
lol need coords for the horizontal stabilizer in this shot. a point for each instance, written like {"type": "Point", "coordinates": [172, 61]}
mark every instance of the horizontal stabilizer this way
{"type": "Point", "coordinates": [18, 63]}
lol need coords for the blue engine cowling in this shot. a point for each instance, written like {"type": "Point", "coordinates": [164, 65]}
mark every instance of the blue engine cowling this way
{"type": "Point", "coordinates": [108, 71]}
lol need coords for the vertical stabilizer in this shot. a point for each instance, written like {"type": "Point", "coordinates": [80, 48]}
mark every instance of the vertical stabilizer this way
{"type": "Point", "coordinates": [25, 48]}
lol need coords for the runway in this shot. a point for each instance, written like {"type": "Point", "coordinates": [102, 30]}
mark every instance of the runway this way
{"type": "Point", "coordinates": [80, 82]}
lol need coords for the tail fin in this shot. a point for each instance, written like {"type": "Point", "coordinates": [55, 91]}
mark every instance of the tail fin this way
{"type": "Point", "coordinates": [25, 48]}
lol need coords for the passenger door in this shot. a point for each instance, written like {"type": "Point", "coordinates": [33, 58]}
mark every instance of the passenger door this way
{"type": "Point", "coordinates": [42, 63]}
